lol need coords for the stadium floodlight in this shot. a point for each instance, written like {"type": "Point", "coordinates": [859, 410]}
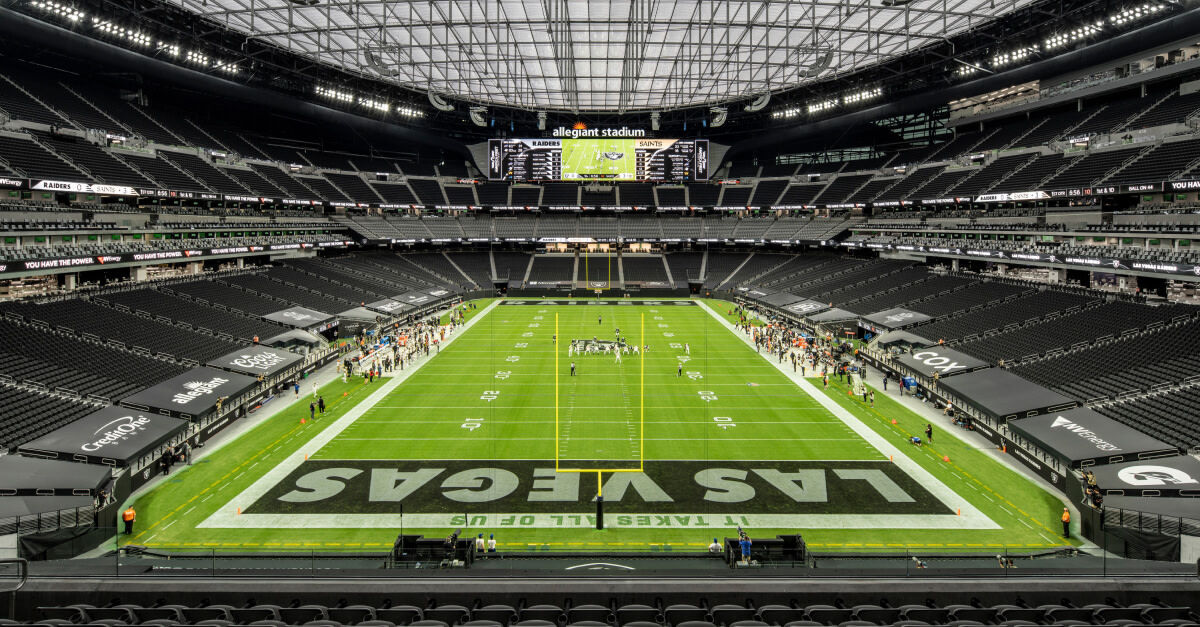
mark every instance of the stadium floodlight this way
{"type": "Point", "coordinates": [786, 113]}
{"type": "Point", "coordinates": [61, 10]}
{"type": "Point", "coordinates": [168, 48]}
{"type": "Point", "coordinates": [197, 58]}
{"type": "Point", "coordinates": [1134, 13]}
{"type": "Point", "coordinates": [377, 105]}
{"type": "Point", "coordinates": [229, 67]}
{"type": "Point", "coordinates": [410, 112]}
{"type": "Point", "coordinates": [862, 96]}
{"type": "Point", "coordinates": [130, 35]}
{"type": "Point", "coordinates": [1014, 56]}
{"type": "Point", "coordinates": [967, 69]}
{"type": "Point", "coordinates": [334, 94]}
{"type": "Point", "coordinates": [821, 105]}
{"type": "Point", "coordinates": [1077, 34]}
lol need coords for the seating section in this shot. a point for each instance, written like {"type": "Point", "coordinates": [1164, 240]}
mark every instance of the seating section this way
{"type": "Point", "coordinates": [511, 266]}
{"type": "Point", "coordinates": [1027, 309]}
{"type": "Point", "coordinates": [1086, 325]}
{"type": "Point", "coordinates": [316, 301]}
{"type": "Point", "coordinates": [31, 159]}
{"type": "Point", "coordinates": [26, 414]}
{"type": "Point", "coordinates": [1168, 416]}
{"type": "Point", "coordinates": [1128, 363]}
{"type": "Point", "coordinates": [94, 321]}
{"type": "Point", "coordinates": [643, 269]}
{"type": "Point", "coordinates": [598, 611]}
{"type": "Point", "coordinates": [31, 355]}
{"type": "Point", "coordinates": [174, 309]}
{"type": "Point", "coordinates": [214, 292]}
{"type": "Point", "coordinates": [720, 266]}
{"type": "Point", "coordinates": [552, 269]}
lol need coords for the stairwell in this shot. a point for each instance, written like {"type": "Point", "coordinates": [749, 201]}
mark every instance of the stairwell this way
{"type": "Point", "coordinates": [151, 120]}
{"type": "Point", "coordinates": [735, 271]}
{"type": "Point", "coordinates": [117, 126]}
{"type": "Point", "coordinates": [1134, 118]}
{"type": "Point", "coordinates": [54, 152]}
{"type": "Point", "coordinates": [1033, 157]}
{"type": "Point", "coordinates": [1029, 130]}
{"type": "Point", "coordinates": [1067, 132]}
{"type": "Point", "coordinates": [65, 120]}
{"type": "Point", "coordinates": [215, 142]}
{"type": "Point", "coordinates": [460, 271]}
{"type": "Point", "coordinates": [1128, 162]}
{"type": "Point", "coordinates": [528, 271]}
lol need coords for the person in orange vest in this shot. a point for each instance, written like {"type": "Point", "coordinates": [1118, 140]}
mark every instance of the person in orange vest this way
{"type": "Point", "coordinates": [1066, 521]}
{"type": "Point", "coordinates": [129, 516]}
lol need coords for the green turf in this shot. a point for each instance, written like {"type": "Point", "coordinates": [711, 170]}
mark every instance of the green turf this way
{"type": "Point", "coordinates": [488, 401]}
{"type": "Point", "coordinates": [584, 158]}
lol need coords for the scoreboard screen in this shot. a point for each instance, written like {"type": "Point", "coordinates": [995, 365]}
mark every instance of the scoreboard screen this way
{"type": "Point", "coordinates": [598, 159]}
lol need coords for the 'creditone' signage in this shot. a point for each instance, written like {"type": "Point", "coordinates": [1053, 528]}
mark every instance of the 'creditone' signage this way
{"type": "Point", "coordinates": [116, 436]}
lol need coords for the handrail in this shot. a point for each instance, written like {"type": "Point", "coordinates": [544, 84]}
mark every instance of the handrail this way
{"type": "Point", "coordinates": [23, 569]}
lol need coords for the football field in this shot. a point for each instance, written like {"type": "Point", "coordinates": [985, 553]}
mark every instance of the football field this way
{"type": "Point", "coordinates": [599, 158]}
{"type": "Point", "coordinates": [686, 439]}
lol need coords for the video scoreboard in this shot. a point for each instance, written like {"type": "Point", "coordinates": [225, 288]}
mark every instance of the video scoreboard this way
{"type": "Point", "coordinates": [598, 159]}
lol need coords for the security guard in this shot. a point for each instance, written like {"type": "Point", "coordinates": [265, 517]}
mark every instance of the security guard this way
{"type": "Point", "coordinates": [129, 516]}
{"type": "Point", "coordinates": [1066, 521]}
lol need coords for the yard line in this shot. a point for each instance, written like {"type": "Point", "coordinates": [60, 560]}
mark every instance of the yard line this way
{"type": "Point", "coordinates": [551, 439]}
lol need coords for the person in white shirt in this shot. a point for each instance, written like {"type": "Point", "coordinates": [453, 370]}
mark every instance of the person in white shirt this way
{"type": "Point", "coordinates": [480, 546]}
{"type": "Point", "coordinates": [491, 543]}
{"type": "Point", "coordinates": [715, 547]}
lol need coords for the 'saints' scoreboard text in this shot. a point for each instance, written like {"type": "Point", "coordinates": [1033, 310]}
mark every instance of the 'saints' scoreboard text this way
{"type": "Point", "coordinates": [587, 159]}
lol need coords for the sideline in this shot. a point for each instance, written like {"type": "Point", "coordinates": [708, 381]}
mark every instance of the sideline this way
{"type": "Point", "coordinates": [269, 479]}
{"type": "Point", "coordinates": [948, 497]}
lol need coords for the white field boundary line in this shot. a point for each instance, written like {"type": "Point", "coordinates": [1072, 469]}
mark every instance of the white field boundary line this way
{"type": "Point", "coordinates": [971, 519]}
{"type": "Point", "coordinates": [948, 497]}
{"type": "Point", "coordinates": [269, 479]}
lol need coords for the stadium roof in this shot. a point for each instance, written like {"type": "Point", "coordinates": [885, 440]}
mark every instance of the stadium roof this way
{"type": "Point", "coordinates": [618, 56]}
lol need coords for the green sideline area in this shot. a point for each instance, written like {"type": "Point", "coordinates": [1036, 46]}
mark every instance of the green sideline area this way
{"type": "Point", "coordinates": [693, 436]}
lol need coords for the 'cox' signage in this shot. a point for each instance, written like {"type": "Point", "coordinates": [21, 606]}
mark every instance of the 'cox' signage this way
{"type": "Point", "coordinates": [942, 361]}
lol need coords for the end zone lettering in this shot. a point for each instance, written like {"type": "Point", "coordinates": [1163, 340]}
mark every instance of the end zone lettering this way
{"type": "Point", "coordinates": [533, 487]}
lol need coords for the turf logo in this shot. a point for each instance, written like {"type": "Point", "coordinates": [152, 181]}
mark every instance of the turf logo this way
{"type": "Point", "coordinates": [534, 488]}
